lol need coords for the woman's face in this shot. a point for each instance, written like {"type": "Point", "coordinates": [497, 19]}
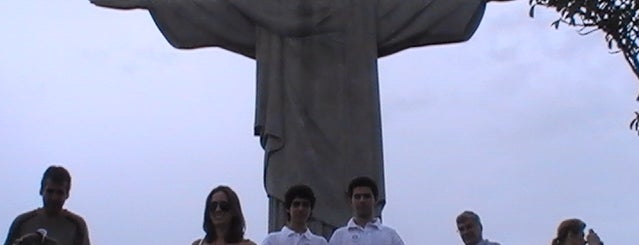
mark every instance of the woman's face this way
{"type": "Point", "coordinates": [220, 209]}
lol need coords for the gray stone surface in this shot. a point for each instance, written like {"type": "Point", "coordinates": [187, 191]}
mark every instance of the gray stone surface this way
{"type": "Point", "coordinates": [318, 108]}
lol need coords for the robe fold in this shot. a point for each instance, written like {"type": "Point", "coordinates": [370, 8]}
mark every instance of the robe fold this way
{"type": "Point", "coordinates": [317, 106]}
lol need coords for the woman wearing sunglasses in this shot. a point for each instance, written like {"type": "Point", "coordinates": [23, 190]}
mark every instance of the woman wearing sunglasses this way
{"type": "Point", "coordinates": [223, 219]}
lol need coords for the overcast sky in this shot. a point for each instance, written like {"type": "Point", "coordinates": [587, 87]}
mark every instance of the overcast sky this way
{"type": "Point", "coordinates": [525, 124]}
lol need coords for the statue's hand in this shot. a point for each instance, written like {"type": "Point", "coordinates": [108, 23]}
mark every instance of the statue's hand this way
{"type": "Point", "coordinates": [122, 4]}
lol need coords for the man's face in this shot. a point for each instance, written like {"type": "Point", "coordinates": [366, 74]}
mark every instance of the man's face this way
{"type": "Point", "coordinates": [54, 195]}
{"type": "Point", "coordinates": [300, 210]}
{"type": "Point", "coordinates": [469, 231]}
{"type": "Point", "coordinates": [363, 202]}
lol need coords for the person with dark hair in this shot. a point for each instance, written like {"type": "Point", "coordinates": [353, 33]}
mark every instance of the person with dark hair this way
{"type": "Point", "coordinates": [223, 219]}
{"type": "Point", "coordinates": [61, 225]}
{"type": "Point", "coordinates": [364, 227]}
{"type": "Point", "coordinates": [317, 93]}
{"type": "Point", "coordinates": [571, 232]}
{"type": "Point", "coordinates": [299, 201]}
{"type": "Point", "coordinates": [470, 229]}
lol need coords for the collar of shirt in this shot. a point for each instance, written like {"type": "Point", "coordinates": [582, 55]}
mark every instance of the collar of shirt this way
{"type": "Point", "coordinates": [289, 232]}
{"type": "Point", "coordinates": [375, 223]}
{"type": "Point", "coordinates": [486, 242]}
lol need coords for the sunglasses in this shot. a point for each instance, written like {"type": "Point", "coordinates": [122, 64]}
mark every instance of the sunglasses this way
{"type": "Point", "coordinates": [224, 206]}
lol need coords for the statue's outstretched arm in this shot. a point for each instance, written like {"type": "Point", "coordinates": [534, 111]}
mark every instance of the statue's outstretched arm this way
{"type": "Point", "coordinates": [404, 24]}
{"type": "Point", "coordinates": [188, 24]}
{"type": "Point", "coordinates": [122, 4]}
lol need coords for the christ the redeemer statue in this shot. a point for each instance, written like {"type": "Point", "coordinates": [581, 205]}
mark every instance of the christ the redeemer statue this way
{"type": "Point", "coordinates": [318, 108]}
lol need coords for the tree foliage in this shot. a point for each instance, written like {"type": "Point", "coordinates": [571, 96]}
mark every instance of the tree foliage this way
{"type": "Point", "coordinates": [618, 19]}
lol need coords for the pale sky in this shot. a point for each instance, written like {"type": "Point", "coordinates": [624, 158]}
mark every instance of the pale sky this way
{"type": "Point", "coordinates": [524, 124]}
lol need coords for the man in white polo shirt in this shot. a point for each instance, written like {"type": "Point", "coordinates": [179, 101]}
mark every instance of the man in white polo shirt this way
{"type": "Point", "coordinates": [364, 228]}
{"type": "Point", "coordinates": [299, 201]}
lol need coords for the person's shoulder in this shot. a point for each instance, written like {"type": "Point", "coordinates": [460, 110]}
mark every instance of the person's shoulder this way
{"type": "Point", "coordinates": [196, 242]}
{"type": "Point", "coordinates": [340, 232]}
{"type": "Point", "coordinates": [72, 214]}
{"type": "Point", "coordinates": [21, 218]}
{"type": "Point", "coordinates": [75, 218]}
{"type": "Point", "coordinates": [272, 235]}
{"type": "Point", "coordinates": [247, 242]}
{"type": "Point", "coordinates": [341, 229]}
{"type": "Point", "coordinates": [492, 243]}
{"type": "Point", "coordinates": [318, 238]}
{"type": "Point", "coordinates": [316, 235]}
{"type": "Point", "coordinates": [386, 228]}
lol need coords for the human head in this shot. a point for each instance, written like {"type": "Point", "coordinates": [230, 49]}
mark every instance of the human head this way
{"type": "Point", "coordinates": [469, 227]}
{"type": "Point", "coordinates": [570, 232]}
{"type": "Point", "coordinates": [54, 187]}
{"type": "Point", "coordinates": [227, 212]}
{"type": "Point", "coordinates": [299, 201]}
{"type": "Point", "coordinates": [363, 194]}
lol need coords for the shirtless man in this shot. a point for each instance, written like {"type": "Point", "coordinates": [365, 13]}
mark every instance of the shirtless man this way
{"type": "Point", "coordinates": [59, 225]}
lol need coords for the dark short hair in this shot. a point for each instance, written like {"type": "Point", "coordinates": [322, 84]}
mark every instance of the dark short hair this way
{"type": "Point", "coordinates": [237, 227]}
{"type": "Point", "coordinates": [569, 226]}
{"type": "Point", "coordinates": [56, 174]}
{"type": "Point", "coordinates": [363, 181]}
{"type": "Point", "coordinates": [299, 191]}
{"type": "Point", "coordinates": [468, 216]}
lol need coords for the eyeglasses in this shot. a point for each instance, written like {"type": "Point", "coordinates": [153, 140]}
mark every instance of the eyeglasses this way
{"type": "Point", "coordinates": [224, 206]}
{"type": "Point", "coordinates": [297, 204]}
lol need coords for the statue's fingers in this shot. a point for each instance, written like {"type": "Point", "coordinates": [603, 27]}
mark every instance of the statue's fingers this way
{"type": "Point", "coordinates": [117, 4]}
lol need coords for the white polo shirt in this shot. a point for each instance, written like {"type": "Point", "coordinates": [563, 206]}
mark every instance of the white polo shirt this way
{"type": "Point", "coordinates": [373, 233]}
{"type": "Point", "coordinates": [287, 236]}
{"type": "Point", "coordinates": [486, 242]}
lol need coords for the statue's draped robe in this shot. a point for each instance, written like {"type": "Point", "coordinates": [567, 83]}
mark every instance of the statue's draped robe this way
{"type": "Point", "coordinates": [318, 106]}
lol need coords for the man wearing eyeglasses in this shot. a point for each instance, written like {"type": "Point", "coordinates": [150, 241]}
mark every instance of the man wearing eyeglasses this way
{"type": "Point", "coordinates": [299, 202]}
{"type": "Point", "coordinates": [364, 227]}
{"type": "Point", "coordinates": [470, 229]}
{"type": "Point", "coordinates": [51, 224]}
